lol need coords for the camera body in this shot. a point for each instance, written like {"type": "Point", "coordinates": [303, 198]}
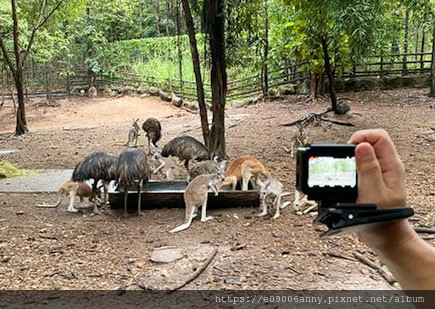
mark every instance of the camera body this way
{"type": "Point", "coordinates": [327, 173]}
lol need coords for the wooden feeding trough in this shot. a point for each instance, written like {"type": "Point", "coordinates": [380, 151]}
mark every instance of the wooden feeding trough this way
{"type": "Point", "coordinates": [158, 194]}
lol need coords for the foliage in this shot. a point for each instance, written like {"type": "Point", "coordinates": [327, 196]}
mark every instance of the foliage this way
{"type": "Point", "coordinates": [8, 170]}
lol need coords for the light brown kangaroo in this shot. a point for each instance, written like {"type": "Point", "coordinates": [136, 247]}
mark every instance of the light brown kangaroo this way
{"type": "Point", "coordinates": [71, 188]}
{"type": "Point", "coordinates": [196, 195]}
{"type": "Point", "coordinates": [242, 169]}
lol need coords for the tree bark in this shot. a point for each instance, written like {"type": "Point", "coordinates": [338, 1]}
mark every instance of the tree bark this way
{"type": "Point", "coordinates": [214, 17]}
{"type": "Point", "coordinates": [405, 43]}
{"type": "Point", "coordinates": [422, 50]}
{"type": "Point", "coordinates": [266, 50]}
{"type": "Point", "coordinates": [48, 91]}
{"type": "Point", "coordinates": [21, 125]}
{"type": "Point", "coordinates": [197, 70]}
{"type": "Point", "coordinates": [432, 84]}
{"type": "Point", "coordinates": [330, 75]}
{"type": "Point", "coordinates": [168, 14]}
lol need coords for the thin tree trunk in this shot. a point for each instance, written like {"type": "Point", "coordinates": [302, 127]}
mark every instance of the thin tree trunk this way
{"type": "Point", "coordinates": [330, 75]}
{"type": "Point", "coordinates": [48, 91]}
{"type": "Point", "coordinates": [179, 46]}
{"type": "Point", "coordinates": [157, 2]}
{"type": "Point", "coordinates": [197, 70]}
{"type": "Point", "coordinates": [405, 43]}
{"type": "Point", "coordinates": [215, 27]}
{"type": "Point", "coordinates": [416, 41]}
{"type": "Point", "coordinates": [422, 50]}
{"type": "Point", "coordinates": [432, 84]}
{"type": "Point", "coordinates": [21, 126]}
{"type": "Point", "coordinates": [168, 14]}
{"type": "Point", "coordinates": [266, 50]}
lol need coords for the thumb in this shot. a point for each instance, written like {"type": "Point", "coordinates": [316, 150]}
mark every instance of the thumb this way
{"type": "Point", "coordinates": [370, 181]}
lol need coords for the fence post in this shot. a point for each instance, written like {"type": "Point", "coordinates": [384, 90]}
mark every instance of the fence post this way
{"type": "Point", "coordinates": [382, 66]}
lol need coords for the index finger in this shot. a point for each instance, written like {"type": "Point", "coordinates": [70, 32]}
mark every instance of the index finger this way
{"type": "Point", "coordinates": [381, 141]}
{"type": "Point", "coordinates": [385, 152]}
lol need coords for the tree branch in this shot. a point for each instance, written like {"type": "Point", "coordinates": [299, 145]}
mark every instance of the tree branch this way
{"type": "Point", "coordinates": [15, 33]}
{"type": "Point", "coordinates": [6, 56]}
{"type": "Point", "coordinates": [41, 22]}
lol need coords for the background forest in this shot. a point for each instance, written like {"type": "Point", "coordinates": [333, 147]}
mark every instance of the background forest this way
{"type": "Point", "coordinates": [257, 45]}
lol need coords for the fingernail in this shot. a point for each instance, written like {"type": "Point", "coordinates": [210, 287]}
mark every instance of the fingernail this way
{"type": "Point", "coordinates": [364, 154]}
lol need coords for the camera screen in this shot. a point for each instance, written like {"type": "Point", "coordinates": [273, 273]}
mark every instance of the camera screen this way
{"type": "Point", "coordinates": [331, 172]}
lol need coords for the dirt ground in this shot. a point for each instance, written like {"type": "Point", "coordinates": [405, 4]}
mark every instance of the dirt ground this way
{"type": "Point", "coordinates": [54, 249]}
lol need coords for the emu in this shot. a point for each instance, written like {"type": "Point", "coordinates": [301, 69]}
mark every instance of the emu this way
{"type": "Point", "coordinates": [132, 167]}
{"type": "Point", "coordinates": [97, 166]}
{"type": "Point", "coordinates": [153, 129]}
{"type": "Point", "coordinates": [206, 167]}
{"type": "Point", "coordinates": [186, 148]}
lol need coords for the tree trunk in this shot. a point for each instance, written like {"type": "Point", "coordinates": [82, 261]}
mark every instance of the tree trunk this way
{"type": "Point", "coordinates": [21, 126]}
{"type": "Point", "coordinates": [168, 14]}
{"type": "Point", "coordinates": [158, 17]}
{"type": "Point", "coordinates": [330, 75]}
{"type": "Point", "coordinates": [423, 36]}
{"type": "Point", "coordinates": [405, 43]}
{"type": "Point", "coordinates": [432, 84]}
{"type": "Point", "coordinates": [48, 91]}
{"type": "Point", "coordinates": [266, 50]}
{"type": "Point", "coordinates": [214, 17]}
{"type": "Point", "coordinates": [197, 70]}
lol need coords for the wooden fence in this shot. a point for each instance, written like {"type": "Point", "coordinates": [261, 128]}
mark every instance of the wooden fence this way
{"type": "Point", "coordinates": [400, 64]}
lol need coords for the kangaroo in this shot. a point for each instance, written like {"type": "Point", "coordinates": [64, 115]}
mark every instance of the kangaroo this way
{"type": "Point", "coordinates": [243, 169]}
{"type": "Point", "coordinates": [271, 187]}
{"type": "Point", "coordinates": [301, 200]}
{"type": "Point", "coordinates": [299, 138]}
{"type": "Point", "coordinates": [170, 168]}
{"type": "Point", "coordinates": [133, 134]}
{"type": "Point", "coordinates": [196, 195]}
{"type": "Point", "coordinates": [72, 188]}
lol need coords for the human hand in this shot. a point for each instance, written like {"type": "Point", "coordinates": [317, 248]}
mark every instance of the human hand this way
{"type": "Point", "coordinates": [381, 175]}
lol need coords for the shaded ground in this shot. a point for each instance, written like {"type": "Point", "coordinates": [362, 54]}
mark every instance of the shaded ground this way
{"type": "Point", "coordinates": [54, 249]}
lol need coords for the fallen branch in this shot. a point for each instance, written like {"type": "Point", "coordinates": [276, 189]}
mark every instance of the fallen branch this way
{"type": "Point", "coordinates": [346, 124]}
{"type": "Point", "coordinates": [389, 278]}
{"type": "Point", "coordinates": [338, 255]}
{"type": "Point", "coordinates": [424, 230]}
{"type": "Point", "coordinates": [197, 272]}
{"type": "Point", "coordinates": [307, 119]}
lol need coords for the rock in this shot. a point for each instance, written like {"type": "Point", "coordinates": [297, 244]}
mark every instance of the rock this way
{"type": "Point", "coordinates": [166, 255]}
{"type": "Point", "coordinates": [5, 259]}
{"type": "Point", "coordinates": [164, 96]}
{"type": "Point", "coordinates": [143, 90]}
{"type": "Point", "coordinates": [82, 93]}
{"type": "Point", "coordinates": [176, 101]}
{"type": "Point", "coordinates": [154, 91]}
{"type": "Point", "coordinates": [128, 90]}
{"type": "Point", "coordinates": [20, 212]}
{"type": "Point", "coordinates": [233, 281]}
{"type": "Point", "coordinates": [191, 105]}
